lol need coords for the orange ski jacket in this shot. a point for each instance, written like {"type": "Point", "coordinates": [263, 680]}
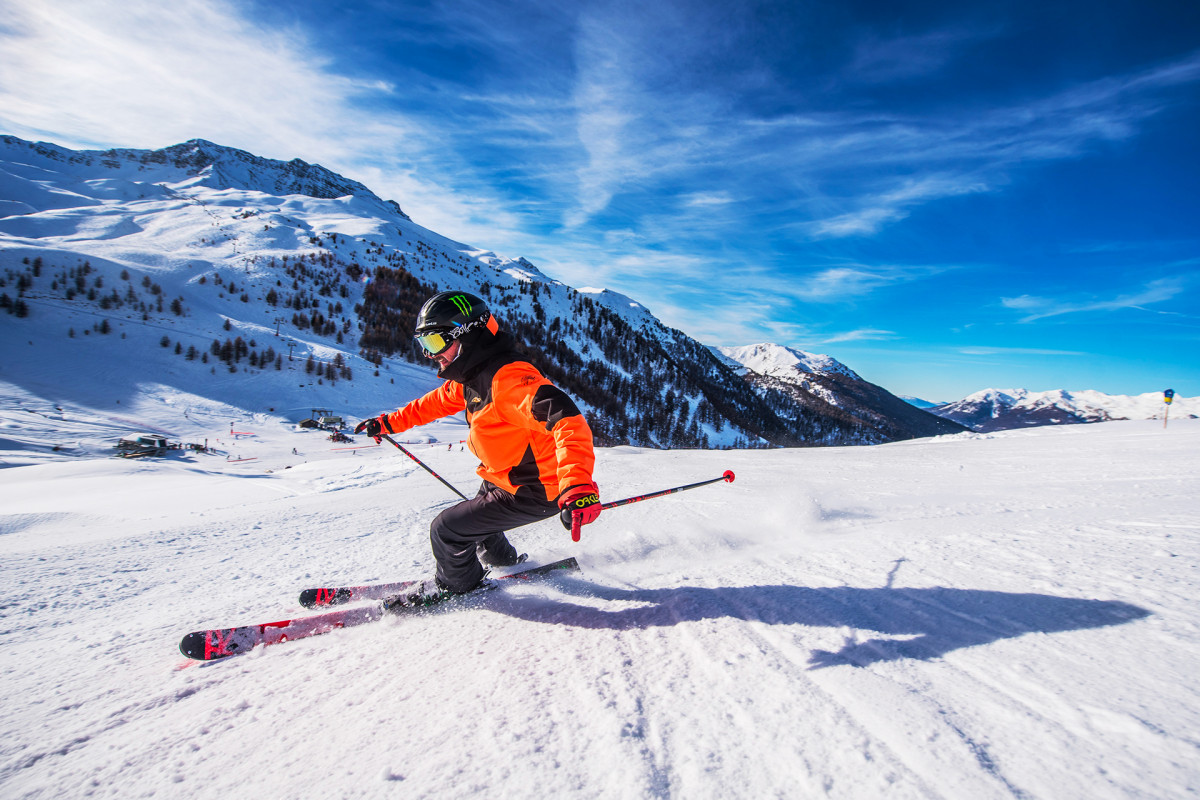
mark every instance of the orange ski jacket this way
{"type": "Point", "coordinates": [528, 435]}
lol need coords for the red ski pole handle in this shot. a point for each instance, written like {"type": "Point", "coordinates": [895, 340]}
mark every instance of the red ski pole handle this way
{"type": "Point", "coordinates": [576, 527]}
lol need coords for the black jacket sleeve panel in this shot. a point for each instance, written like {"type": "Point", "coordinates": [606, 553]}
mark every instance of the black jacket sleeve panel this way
{"type": "Point", "coordinates": [551, 405]}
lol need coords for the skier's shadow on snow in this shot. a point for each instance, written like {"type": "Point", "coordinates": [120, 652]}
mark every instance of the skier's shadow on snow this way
{"type": "Point", "coordinates": [939, 619]}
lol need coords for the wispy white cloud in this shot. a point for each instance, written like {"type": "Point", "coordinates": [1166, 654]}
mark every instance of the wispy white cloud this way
{"type": "Point", "coordinates": [840, 283]}
{"type": "Point", "coordinates": [1036, 308]}
{"type": "Point", "coordinates": [893, 205]}
{"type": "Point", "coordinates": [852, 281]}
{"type": "Point", "coordinates": [608, 109]}
{"type": "Point", "coordinates": [856, 223]}
{"type": "Point", "coordinates": [632, 136]}
{"type": "Point", "coordinates": [706, 200]}
{"type": "Point", "coordinates": [860, 335]}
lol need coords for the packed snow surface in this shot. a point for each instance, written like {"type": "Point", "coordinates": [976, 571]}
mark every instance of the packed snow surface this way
{"type": "Point", "coordinates": [977, 616]}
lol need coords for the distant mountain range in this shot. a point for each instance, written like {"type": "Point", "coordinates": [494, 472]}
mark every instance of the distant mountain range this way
{"type": "Point", "coordinates": [1005, 409]}
{"type": "Point", "coordinates": [208, 266]}
{"type": "Point", "coordinates": [804, 385]}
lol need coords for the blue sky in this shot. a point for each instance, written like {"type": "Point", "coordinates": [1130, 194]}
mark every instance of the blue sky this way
{"type": "Point", "coordinates": [945, 196]}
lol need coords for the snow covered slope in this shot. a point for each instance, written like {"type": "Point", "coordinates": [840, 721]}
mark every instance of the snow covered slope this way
{"type": "Point", "coordinates": [1009, 615]}
{"type": "Point", "coordinates": [1004, 409]}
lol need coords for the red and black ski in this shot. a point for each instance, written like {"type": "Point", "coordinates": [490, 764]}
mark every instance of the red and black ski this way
{"type": "Point", "coordinates": [218, 643]}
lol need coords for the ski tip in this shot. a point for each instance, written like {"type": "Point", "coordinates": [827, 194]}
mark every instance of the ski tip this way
{"type": "Point", "coordinates": [192, 645]}
{"type": "Point", "coordinates": [211, 645]}
{"type": "Point", "coordinates": [196, 646]}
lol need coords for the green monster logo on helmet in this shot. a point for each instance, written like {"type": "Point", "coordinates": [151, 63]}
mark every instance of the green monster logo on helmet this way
{"type": "Point", "coordinates": [462, 304]}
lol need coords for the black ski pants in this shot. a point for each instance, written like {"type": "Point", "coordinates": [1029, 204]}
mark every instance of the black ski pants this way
{"type": "Point", "coordinates": [459, 530]}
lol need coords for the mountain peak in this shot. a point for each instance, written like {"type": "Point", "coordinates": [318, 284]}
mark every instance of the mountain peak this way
{"type": "Point", "coordinates": [779, 361]}
{"type": "Point", "coordinates": [200, 162]}
{"type": "Point", "coordinates": [232, 168]}
{"type": "Point", "coordinates": [626, 307]}
{"type": "Point", "coordinates": [1005, 397]}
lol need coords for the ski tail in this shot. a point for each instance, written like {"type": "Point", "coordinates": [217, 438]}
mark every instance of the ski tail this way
{"type": "Point", "coordinates": [337, 595]}
{"type": "Point", "coordinates": [565, 565]}
{"type": "Point", "coordinates": [312, 598]}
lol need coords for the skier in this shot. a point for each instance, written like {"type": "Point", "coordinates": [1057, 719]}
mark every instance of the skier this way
{"type": "Point", "coordinates": [533, 443]}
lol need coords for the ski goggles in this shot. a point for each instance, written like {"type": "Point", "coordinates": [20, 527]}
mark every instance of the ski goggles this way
{"type": "Point", "coordinates": [435, 342]}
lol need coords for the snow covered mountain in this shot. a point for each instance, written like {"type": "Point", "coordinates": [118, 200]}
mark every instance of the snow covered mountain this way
{"type": "Point", "coordinates": [811, 386]}
{"type": "Point", "coordinates": [224, 273]}
{"type": "Point", "coordinates": [1004, 409]}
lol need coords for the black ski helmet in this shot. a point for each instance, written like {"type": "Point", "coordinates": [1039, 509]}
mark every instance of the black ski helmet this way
{"type": "Point", "coordinates": [447, 310]}
{"type": "Point", "coordinates": [447, 316]}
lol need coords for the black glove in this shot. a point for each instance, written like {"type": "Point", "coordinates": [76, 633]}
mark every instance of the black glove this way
{"type": "Point", "coordinates": [374, 427]}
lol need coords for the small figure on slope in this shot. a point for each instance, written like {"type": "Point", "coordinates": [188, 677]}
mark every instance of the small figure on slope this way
{"type": "Point", "coordinates": [533, 443]}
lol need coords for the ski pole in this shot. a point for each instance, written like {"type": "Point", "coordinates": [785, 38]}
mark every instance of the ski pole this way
{"type": "Point", "coordinates": [727, 477]}
{"type": "Point", "coordinates": [423, 465]}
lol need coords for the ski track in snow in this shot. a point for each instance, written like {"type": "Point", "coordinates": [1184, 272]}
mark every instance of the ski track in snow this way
{"type": "Point", "coordinates": [999, 617]}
